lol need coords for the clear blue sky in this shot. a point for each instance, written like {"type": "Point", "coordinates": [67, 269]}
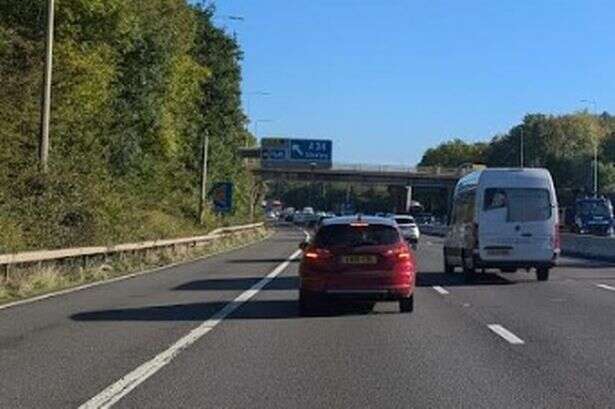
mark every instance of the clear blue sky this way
{"type": "Point", "coordinates": [387, 79]}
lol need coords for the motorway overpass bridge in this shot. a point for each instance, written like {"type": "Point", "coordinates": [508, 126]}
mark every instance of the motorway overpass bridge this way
{"type": "Point", "coordinates": [400, 181]}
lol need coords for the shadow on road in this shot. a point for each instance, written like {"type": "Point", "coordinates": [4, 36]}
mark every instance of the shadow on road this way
{"type": "Point", "coordinates": [259, 309]}
{"type": "Point", "coordinates": [217, 284]}
{"type": "Point", "coordinates": [260, 260]}
{"type": "Point", "coordinates": [295, 240]}
{"type": "Point", "coordinates": [584, 264]}
{"type": "Point", "coordinates": [429, 279]}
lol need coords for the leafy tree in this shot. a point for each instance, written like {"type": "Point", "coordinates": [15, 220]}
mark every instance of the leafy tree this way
{"type": "Point", "coordinates": [454, 153]}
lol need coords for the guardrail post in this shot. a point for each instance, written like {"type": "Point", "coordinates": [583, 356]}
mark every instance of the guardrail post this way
{"type": "Point", "coordinates": [7, 272]}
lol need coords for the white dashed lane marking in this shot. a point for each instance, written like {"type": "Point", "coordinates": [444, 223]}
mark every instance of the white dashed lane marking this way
{"type": "Point", "coordinates": [605, 287]}
{"type": "Point", "coordinates": [440, 290]}
{"type": "Point", "coordinates": [506, 334]}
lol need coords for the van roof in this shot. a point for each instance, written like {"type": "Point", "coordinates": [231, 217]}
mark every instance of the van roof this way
{"type": "Point", "coordinates": [506, 177]}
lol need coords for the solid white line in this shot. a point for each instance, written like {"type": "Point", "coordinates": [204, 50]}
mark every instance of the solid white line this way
{"type": "Point", "coordinates": [506, 334]}
{"type": "Point", "coordinates": [121, 388]}
{"type": "Point", "coordinates": [120, 278]}
{"type": "Point", "coordinates": [440, 290]}
{"type": "Point", "coordinates": [606, 287]}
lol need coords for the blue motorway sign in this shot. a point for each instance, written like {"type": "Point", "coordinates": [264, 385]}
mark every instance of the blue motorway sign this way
{"type": "Point", "coordinates": [222, 196]}
{"type": "Point", "coordinates": [312, 150]}
{"type": "Point", "coordinates": [274, 154]}
{"type": "Point", "coordinates": [296, 153]}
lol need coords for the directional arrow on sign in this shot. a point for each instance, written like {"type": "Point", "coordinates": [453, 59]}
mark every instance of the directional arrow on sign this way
{"type": "Point", "coordinates": [297, 149]}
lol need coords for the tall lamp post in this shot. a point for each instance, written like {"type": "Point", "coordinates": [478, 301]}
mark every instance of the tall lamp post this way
{"type": "Point", "coordinates": [521, 148]}
{"type": "Point", "coordinates": [203, 190]}
{"type": "Point", "coordinates": [46, 106]}
{"type": "Point", "coordinates": [595, 106]}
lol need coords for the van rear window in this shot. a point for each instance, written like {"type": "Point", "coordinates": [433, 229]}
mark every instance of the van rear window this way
{"type": "Point", "coordinates": [522, 205]}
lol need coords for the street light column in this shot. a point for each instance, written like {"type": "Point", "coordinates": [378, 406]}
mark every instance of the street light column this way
{"type": "Point", "coordinates": [46, 106]}
{"type": "Point", "coordinates": [595, 106]}
{"type": "Point", "coordinates": [522, 148]}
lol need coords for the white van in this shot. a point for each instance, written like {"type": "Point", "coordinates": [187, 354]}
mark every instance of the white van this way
{"type": "Point", "coordinates": [506, 219]}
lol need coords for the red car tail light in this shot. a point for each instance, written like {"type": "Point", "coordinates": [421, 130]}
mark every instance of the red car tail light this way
{"type": "Point", "coordinates": [401, 255]}
{"type": "Point", "coordinates": [311, 254]}
{"type": "Point", "coordinates": [314, 254]}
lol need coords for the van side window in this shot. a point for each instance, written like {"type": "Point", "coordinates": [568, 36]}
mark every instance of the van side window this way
{"type": "Point", "coordinates": [495, 199]}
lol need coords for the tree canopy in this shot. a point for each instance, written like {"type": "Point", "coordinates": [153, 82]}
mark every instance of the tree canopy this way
{"type": "Point", "coordinates": [564, 144]}
{"type": "Point", "coordinates": [454, 153]}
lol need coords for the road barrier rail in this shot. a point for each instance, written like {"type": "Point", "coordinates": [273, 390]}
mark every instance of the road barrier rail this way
{"type": "Point", "coordinates": [433, 229]}
{"type": "Point", "coordinates": [575, 245]}
{"type": "Point", "coordinates": [586, 246]}
{"type": "Point", "coordinates": [7, 260]}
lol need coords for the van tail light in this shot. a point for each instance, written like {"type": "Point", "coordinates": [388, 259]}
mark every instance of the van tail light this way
{"type": "Point", "coordinates": [556, 240]}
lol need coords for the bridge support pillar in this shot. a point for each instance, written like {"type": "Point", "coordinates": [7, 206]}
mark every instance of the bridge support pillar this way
{"type": "Point", "coordinates": [408, 198]}
{"type": "Point", "coordinates": [402, 197]}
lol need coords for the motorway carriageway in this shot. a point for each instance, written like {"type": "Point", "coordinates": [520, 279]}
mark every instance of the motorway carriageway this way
{"type": "Point", "coordinates": [224, 333]}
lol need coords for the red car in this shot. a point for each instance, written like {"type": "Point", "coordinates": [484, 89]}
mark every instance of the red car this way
{"type": "Point", "coordinates": [358, 258]}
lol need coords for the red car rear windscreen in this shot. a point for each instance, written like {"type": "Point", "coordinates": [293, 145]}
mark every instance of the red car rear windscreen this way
{"type": "Point", "coordinates": [348, 235]}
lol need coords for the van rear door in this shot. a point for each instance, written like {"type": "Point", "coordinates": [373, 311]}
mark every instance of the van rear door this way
{"type": "Point", "coordinates": [516, 224]}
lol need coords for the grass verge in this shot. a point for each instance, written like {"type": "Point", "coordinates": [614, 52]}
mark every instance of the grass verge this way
{"type": "Point", "coordinates": [31, 281]}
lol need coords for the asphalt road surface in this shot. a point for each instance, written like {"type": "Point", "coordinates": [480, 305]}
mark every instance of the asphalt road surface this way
{"type": "Point", "coordinates": [225, 333]}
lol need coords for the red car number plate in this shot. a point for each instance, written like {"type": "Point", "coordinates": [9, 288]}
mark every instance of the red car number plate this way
{"type": "Point", "coordinates": [359, 259]}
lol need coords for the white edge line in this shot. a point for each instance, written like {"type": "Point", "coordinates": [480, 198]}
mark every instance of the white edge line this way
{"type": "Point", "coordinates": [506, 334]}
{"type": "Point", "coordinates": [121, 388]}
{"type": "Point", "coordinates": [605, 287]}
{"type": "Point", "coordinates": [440, 290]}
{"type": "Point", "coordinates": [120, 278]}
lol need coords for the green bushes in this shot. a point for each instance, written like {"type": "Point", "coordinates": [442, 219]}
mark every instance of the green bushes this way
{"type": "Point", "coordinates": [136, 85]}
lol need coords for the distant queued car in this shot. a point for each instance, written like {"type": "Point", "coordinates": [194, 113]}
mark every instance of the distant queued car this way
{"type": "Point", "coordinates": [357, 258]}
{"type": "Point", "coordinates": [409, 229]}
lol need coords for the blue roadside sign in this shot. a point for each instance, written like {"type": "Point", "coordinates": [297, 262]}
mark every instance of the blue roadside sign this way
{"type": "Point", "coordinates": [222, 197]}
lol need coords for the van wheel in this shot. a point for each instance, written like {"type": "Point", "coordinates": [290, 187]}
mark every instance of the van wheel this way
{"type": "Point", "coordinates": [469, 269]}
{"type": "Point", "coordinates": [542, 274]}
{"type": "Point", "coordinates": [406, 304]}
{"type": "Point", "coordinates": [448, 268]}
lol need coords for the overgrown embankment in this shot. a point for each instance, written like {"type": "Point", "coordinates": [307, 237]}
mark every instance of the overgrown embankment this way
{"type": "Point", "coordinates": [136, 86]}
